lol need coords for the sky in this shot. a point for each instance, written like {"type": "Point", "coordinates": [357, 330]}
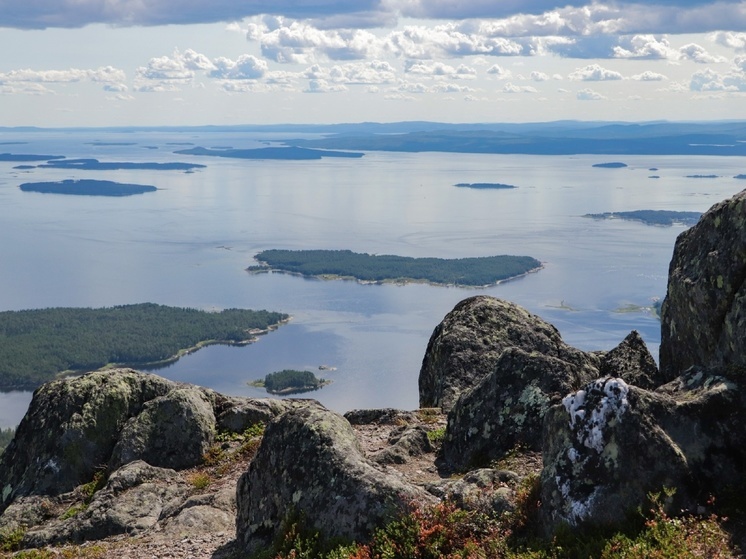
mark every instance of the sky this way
{"type": "Point", "coordinates": [197, 62]}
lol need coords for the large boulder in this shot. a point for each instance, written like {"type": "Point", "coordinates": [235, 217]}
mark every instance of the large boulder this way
{"type": "Point", "coordinates": [506, 408]}
{"type": "Point", "coordinates": [171, 431]}
{"type": "Point", "coordinates": [70, 430]}
{"type": "Point", "coordinates": [466, 345]}
{"type": "Point", "coordinates": [703, 316]}
{"type": "Point", "coordinates": [610, 445]}
{"type": "Point", "coordinates": [310, 466]}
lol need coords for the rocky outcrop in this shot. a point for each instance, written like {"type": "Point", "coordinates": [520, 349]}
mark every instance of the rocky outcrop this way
{"type": "Point", "coordinates": [310, 466]}
{"type": "Point", "coordinates": [466, 345]}
{"type": "Point", "coordinates": [71, 429]}
{"type": "Point", "coordinates": [506, 408]}
{"type": "Point", "coordinates": [404, 443]}
{"type": "Point", "coordinates": [703, 316]}
{"type": "Point", "coordinates": [485, 490]}
{"type": "Point", "coordinates": [171, 431]}
{"type": "Point", "coordinates": [609, 445]}
{"type": "Point", "coordinates": [631, 361]}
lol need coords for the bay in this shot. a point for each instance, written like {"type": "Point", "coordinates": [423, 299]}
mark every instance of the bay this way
{"type": "Point", "coordinates": [188, 245]}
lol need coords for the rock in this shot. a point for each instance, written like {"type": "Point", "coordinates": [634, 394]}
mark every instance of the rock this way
{"type": "Point", "coordinates": [202, 514]}
{"type": "Point", "coordinates": [405, 442]}
{"type": "Point", "coordinates": [506, 409]}
{"type": "Point", "coordinates": [631, 361]}
{"type": "Point", "coordinates": [610, 445]}
{"type": "Point", "coordinates": [383, 416]}
{"type": "Point", "coordinates": [238, 414]}
{"type": "Point", "coordinates": [131, 502]}
{"type": "Point", "coordinates": [703, 316]}
{"type": "Point", "coordinates": [70, 430]}
{"type": "Point", "coordinates": [486, 490]}
{"type": "Point", "coordinates": [171, 431]}
{"type": "Point", "coordinates": [310, 465]}
{"type": "Point", "coordinates": [466, 345]}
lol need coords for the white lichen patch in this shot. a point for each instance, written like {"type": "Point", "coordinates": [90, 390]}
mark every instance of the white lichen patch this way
{"type": "Point", "coordinates": [602, 403]}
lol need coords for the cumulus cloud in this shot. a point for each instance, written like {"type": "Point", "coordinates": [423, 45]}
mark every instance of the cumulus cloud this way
{"type": "Point", "coordinates": [512, 88]}
{"type": "Point", "coordinates": [246, 67]}
{"type": "Point", "coordinates": [729, 39]}
{"type": "Point", "coordinates": [365, 73]}
{"type": "Point", "coordinates": [588, 94]}
{"type": "Point", "coordinates": [699, 54]}
{"type": "Point", "coordinates": [647, 47]}
{"type": "Point", "coordinates": [499, 72]}
{"type": "Point", "coordinates": [594, 73]}
{"type": "Point", "coordinates": [649, 76]}
{"type": "Point", "coordinates": [710, 80]}
{"type": "Point", "coordinates": [106, 74]}
{"type": "Point", "coordinates": [439, 70]}
{"type": "Point", "coordinates": [539, 76]}
{"type": "Point", "coordinates": [323, 86]}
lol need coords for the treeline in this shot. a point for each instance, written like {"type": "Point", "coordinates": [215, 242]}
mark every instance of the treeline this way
{"type": "Point", "coordinates": [36, 345]}
{"type": "Point", "coordinates": [366, 267]}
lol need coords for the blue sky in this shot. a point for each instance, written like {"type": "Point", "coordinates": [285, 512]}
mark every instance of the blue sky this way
{"type": "Point", "coordinates": [193, 62]}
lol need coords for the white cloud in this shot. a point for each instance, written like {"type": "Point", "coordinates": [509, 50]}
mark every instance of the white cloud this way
{"type": "Point", "coordinates": [588, 94]}
{"type": "Point", "coordinates": [649, 76]}
{"type": "Point", "coordinates": [512, 88]}
{"type": "Point", "coordinates": [106, 74]}
{"type": "Point", "coordinates": [499, 72]}
{"type": "Point", "coordinates": [709, 80]}
{"type": "Point", "coordinates": [246, 67]}
{"type": "Point", "coordinates": [539, 76]}
{"type": "Point", "coordinates": [439, 70]}
{"type": "Point", "coordinates": [729, 39]}
{"type": "Point", "coordinates": [699, 54]}
{"type": "Point", "coordinates": [594, 73]}
{"type": "Point", "coordinates": [645, 47]}
{"type": "Point", "coordinates": [322, 86]}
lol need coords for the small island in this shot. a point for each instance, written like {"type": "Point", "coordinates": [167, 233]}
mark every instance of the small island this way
{"type": "Point", "coordinates": [39, 345]}
{"type": "Point", "coordinates": [702, 176]}
{"type": "Point", "coordinates": [612, 165]}
{"type": "Point", "coordinates": [369, 268]}
{"type": "Point", "coordinates": [287, 153]}
{"type": "Point", "coordinates": [290, 381]}
{"type": "Point", "coordinates": [28, 157]}
{"type": "Point", "coordinates": [652, 217]}
{"type": "Point", "coordinates": [87, 187]}
{"type": "Point", "coordinates": [740, 176]}
{"type": "Point", "coordinates": [485, 185]}
{"type": "Point", "coordinates": [96, 165]}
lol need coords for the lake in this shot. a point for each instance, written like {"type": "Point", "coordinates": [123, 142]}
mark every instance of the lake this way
{"type": "Point", "coordinates": [188, 245]}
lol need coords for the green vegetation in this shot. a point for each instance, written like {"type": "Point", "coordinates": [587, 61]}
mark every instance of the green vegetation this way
{"type": "Point", "coordinates": [87, 187]}
{"type": "Point", "coordinates": [38, 345]}
{"type": "Point", "coordinates": [290, 381]}
{"type": "Point", "coordinates": [612, 165]}
{"type": "Point", "coordinates": [6, 435]}
{"type": "Point", "coordinates": [380, 268]}
{"type": "Point", "coordinates": [445, 531]}
{"type": "Point", "coordinates": [652, 217]}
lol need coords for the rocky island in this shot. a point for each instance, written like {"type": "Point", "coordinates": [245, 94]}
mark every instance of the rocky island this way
{"type": "Point", "coordinates": [536, 449]}
{"type": "Point", "coordinates": [611, 165]}
{"type": "Point", "coordinates": [290, 381]}
{"type": "Point", "coordinates": [345, 264]}
{"type": "Point", "coordinates": [485, 185]}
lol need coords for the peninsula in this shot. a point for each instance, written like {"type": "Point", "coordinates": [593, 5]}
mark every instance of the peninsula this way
{"type": "Point", "coordinates": [345, 264]}
{"type": "Point", "coordinates": [87, 187]}
{"type": "Point", "coordinates": [652, 217]}
{"type": "Point", "coordinates": [38, 345]}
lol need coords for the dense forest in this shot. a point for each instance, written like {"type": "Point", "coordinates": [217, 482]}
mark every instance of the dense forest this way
{"type": "Point", "coordinates": [36, 345]}
{"type": "Point", "coordinates": [378, 268]}
{"type": "Point", "coordinates": [290, 381]}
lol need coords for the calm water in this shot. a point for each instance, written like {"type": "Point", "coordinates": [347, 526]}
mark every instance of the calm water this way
{"type": "Point", "coordinates": [189, 244]}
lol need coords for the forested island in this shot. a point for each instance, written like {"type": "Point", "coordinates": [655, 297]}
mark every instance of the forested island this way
{"type": "Point", "coordinates": [333, 264]}
{"type": "Point", "coordinates": [612, 165]}
{"type": "Point", "coordinates": [289, 153]}
{"type": "Point", "coordinates": [87, 187]}
{"type": "Point", "coordinates": [28, 157]}
{"type": "Point", "coordinates": [96, 165]}
{"type": "Point", "coordinates": [290, 381]}
{"type": "Point", "coordinates": [652, 217]}
{"type": "Point", "coordinates": [38, 345]}
{"type": "Point", "coordinates": [485, 185]}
